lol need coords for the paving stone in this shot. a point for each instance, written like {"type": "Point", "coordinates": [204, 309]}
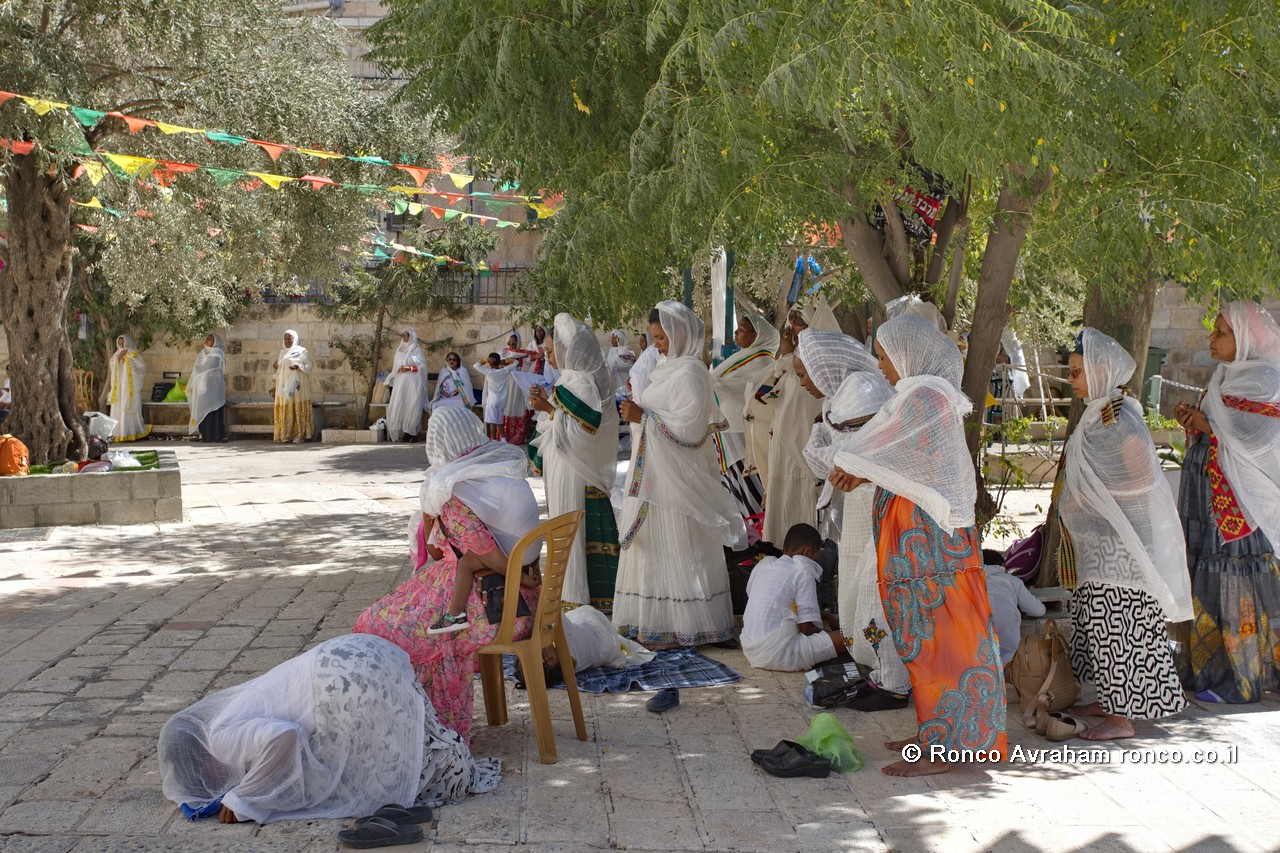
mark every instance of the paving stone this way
{"type": "Point", "coordinates": [38, 843]}
{"type": "Point", "coordinates": [141, 811]}
{"type": "Point", "coordinates": [108, 689]}
{"type": "Point", "coordinates": [44, 817]}
{"type": "Point", "coordinates": [84, 710]}
{"type": "Point", "coordinates": [25, 768]}
{"type": "Point", "coordinates": [50, 738]}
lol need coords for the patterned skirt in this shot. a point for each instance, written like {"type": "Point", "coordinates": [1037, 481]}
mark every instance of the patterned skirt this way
{"type": "Point", "coordinates": [1120, 644]}
{"type": "Point", "coordinates": [292, 419]}
{"type": "Point", "coordinates": [1231, 651]}
{"type": "Point", "coordinates": [602, 548]}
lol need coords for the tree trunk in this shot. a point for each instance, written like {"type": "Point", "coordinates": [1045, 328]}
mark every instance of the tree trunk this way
{"type": "Point", "coordinates": [1126, 316]}
{"type": "Point", "coordinates": [34, 288]}
{"type": "Point", "coordinates": [956, 275]}
{"type": "Point", "coordinates": [943, 234]}
{"type": "Point", "coordinates": [866, 248]}
{"type": "Point", "coordinates": [362, 416]}
{"type": "Point", "coordinates": [1009, 229]}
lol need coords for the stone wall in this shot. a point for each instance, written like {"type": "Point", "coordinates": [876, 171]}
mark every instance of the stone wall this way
{"type": "Point", "coordinates": [131, 497]}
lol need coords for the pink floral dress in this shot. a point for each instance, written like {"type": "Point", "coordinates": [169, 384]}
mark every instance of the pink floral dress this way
{"type": "Point", "coordinates": [444, 663]}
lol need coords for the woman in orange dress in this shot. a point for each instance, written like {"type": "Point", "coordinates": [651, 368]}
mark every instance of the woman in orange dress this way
{"type": "Point", "coordinates": [930, 564]}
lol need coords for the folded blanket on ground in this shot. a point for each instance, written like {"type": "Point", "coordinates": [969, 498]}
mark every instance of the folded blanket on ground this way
{"type": "Point", "coordinates": [671, 668]}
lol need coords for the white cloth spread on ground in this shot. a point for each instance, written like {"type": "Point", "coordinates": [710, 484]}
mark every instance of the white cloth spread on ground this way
{"type": "Point", "coordinates": [915, 445]}
{"type": "Point", "coordinates": [453, 387]}
{"type": "Point", "coordinates": [1009, 598]}
{"type": "Point", "coordinates": [673, 586]}
{"type": "Point", "coordinates": [576, 454]}
{"type": "Point", "coordinates": [126, 371]}
{"type": "Point", "coordinates": [593, 641]}
{"type": "Point", "coordinates": [207, 390]}
{"type": "Point", "coordinates": [1248, 442]}
{"type": "Point", "coordinates": [782, 592]}
{"type": "Point", "coordinates": [487, 476]}
{"type": "Point", "coordinates": [409, 388]}
{"type": "Point", "coordinates": [337, 731]}
{"type": "Point", "coordinates": [1115, 502]}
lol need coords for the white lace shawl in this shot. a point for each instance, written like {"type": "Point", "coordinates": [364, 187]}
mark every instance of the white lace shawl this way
{"type": "Point", "coordinates": [1116, 503]}
{"type": "Point", "coordinates": [207, 390]}
{"type": "Point", "coordinates": [915, 445]}
{"type": "Point", "coordinates": [290, 383]}
{"type": "Point", "coordinates": [1249, 443]}
{"type": "Point", "coordinates": [828, 357]}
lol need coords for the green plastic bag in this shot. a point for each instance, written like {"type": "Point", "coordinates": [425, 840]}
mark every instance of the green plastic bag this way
{"type": "Point", "coordinates": [177, 394]}
{"type": "Point", "coordinates": [829, 739]}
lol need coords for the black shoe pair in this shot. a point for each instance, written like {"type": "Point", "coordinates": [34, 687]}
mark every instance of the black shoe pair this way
{"type": "Point", "coordinates": [789, 760]}
{"type": "Point", "coordinates": [870, 698]}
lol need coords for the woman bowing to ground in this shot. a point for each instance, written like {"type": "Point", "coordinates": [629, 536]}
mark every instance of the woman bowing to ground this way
{"type": "Point", "coordinates": [930, 566]}
{"type": "Point", "coordinates": [207, 391]}
{"type": "Point", "coordinates": [1119, 512]}
{"type": "Point", "coordinates": [293, 421]}
{"type": "Point", "coordinates": [673, 586]}
{"type": "Point", "coordinates": [408, 383]}
{"type": "Point", "coordinates": [1230, 507]}
{"type": "Point", "coordinates": [125, 372]}
{"type": "Point", "coordinates": [577, 451]}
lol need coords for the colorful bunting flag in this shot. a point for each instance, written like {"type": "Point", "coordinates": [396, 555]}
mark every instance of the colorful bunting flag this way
{"type": "Point", "coordinates": [40, 107]}
{"type": "Point", "coordinates": [273, 181]}
{"type": "Point", "coordinates": [273, 150]}
{"type": "Point", "coordinates": [87, 117]}
{"type": "Point", "coordinates": [224, 177]}
{"type": "Point", "coordinates": [230, 138]}
{"type": "Point", "coordinates": [131, 165]}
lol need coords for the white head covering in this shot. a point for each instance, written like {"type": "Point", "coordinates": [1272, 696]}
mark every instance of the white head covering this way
{"type": "Point", "coordinates": [129, 345]}
{"type": "Point", "coordinates": [861, 394]}
{"type": "Point", "coordinates": [207, 390]}
{"type": "Point", "coordinates": [1116, 503]}
{"type": "Point", "coordinates": [767, 340]}
{"type": "Point", "coordinates": [736, 379]}
{"type": "Point", "coordinates": [487, 476]}
{"type": "Point", "coordinates": [406, 346]}
{"type": "Point", "coordinates": [915, 445]}
{"type": "Point", "coordinates": [294, 350]}
{"type": "Point", "coordinates": [912, 305]}
{"type": "Point", "coordinates": [829, 357]}
{"type": "Point", "coordinates": [685, 331]}
{"type": "Point", "coordinates": [1248, 442]}
{"type": "Point", "coordinates": [578, 351]}
{"type": "Point", "coordinates": [817, 314]}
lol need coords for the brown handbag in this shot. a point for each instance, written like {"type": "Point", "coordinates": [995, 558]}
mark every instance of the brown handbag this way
{"type": "Point", "coordinates": [1042, 667]}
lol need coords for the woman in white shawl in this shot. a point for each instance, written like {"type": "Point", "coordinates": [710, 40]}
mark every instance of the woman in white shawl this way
{"type": "Point", "coordinates": [338, 731]}
{"type": "Point", "coordinates": [860, 390]}
{"type": "Point", "coordinates": [931, 579]}
{"type": "Point", "coordinates": [1119, 513]}
{"type": "Point", "coordinates": [619, 359]}
{"type": "Point", "coordinates": [293, 419]}
{"type": "Point", "coordinates": [474, 502]}
{"type": "Point", "coordinates": [453, 385]}
{"type": "Point", "coordinates": [778, 423]}
{"type": "Point", "coordinates": [673, 585]}
{"type": "Point", "coordinates": [207, 391]}
{"type": "Point", "coordinates": [125, 372]}
{"type": "Point", "coordinates": [576, 450]}
{"type": "Point", "coordinates": [408, 383]}
{"type": "Point", "coordinates": [638, 376]}
{"type": "Point", "coordinates": [734, 381]}
{"type": "Point", "coordinates": [1230, 507]}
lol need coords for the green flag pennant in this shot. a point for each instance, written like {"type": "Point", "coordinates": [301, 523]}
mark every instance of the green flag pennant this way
{"type": "Point", "coordinates": [219, 136]}
{"type": "Point", "coordinates": [497, 204]}
{"type": "Point", "coordinates": [87, 117]}
{"type": "Point", "coordinates": [481, 195]}
{"type": "Point", "coordinates": [399, 205]}
{"type": "Point", "coordinates": [378, 253]}
{"type": "Point", "coordinates": [113, 212]}
{"type": "Point", "coordinates": [452, 214]}
{"type": "Point", "coordinates": [377, 161]}
{"type": "Point", "coordinates": [368, 188]}
{"type": "Point", "coordinates": [508, 187]}
{"type": "Point", "coordinates": [502, 223]}
{"type": "Point", "coordinates": [224, 177]}
{"type": "Point", "coordinates": [80, 145]}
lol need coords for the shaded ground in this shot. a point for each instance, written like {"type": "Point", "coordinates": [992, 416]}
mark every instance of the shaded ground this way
{"type": "Point", "coordinates": [105, 631]}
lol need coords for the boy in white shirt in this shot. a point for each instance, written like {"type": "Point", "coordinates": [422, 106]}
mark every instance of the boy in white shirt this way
{"type": "Point", "coordinates": [1009, 599]}
{"type": "Point", "coordinates": [782, 625]}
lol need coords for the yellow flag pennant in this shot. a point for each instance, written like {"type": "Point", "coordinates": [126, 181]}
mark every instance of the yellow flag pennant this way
{"type": "Point", "coordinates": [176, 128]}
{"type": "Point", "coordinates": [323, 155]}
{"type": "Point", "coordinates": [460, 181]}
{"type": "Point", "coordinates": [40, 107]}
{"type": "Point", "coordinates": [93, 202]}
{"type": "Point", "coordinates": [130, 165]}
{"type": "Point", "coordinates": [414, 208]}
{"type": "Point", "coordinates": [95, 171]}
{"type": "Point", "coordinates": [399, 188]}
{"type": "Point", "coordinates": [273, 181]}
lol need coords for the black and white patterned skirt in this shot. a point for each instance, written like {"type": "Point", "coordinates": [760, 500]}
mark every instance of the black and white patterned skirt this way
{"type": "Point", "coordinates": [1120, 643]}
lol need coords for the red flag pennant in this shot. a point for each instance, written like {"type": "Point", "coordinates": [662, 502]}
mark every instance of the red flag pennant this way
{"type": "Point", "coordinates": [4, 96]}
{"type": "Point", "coordinates": [438, 211]}
{"type": "Point", "coordinates": [317, 181]}
{"type": "Point", "coordinates": [17, 146]}
{"type": "Point", "coordinates": [273, 150]}
{"type": "Point", "coordinates": [419, 173]}
{"type": "Point", "coordinates": [251, 184]}
{"type": "Point", "coordinates": [178, 168]}
{"type": "Point", "coordinates": [135, 124]}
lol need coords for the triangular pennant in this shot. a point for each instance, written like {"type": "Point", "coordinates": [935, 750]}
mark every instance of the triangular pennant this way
{"type": "Point", "coordinates": [273, 181]}
{"type": "Point", "coordinates": [135, 124]}
{"type": "Point", "coordinates": [378, 253]}
{"type": "Point", "coordinates": [452, 214]}
{"type": "Point", "coordinates": [180, 168]}
{"type": "Point", "coordinates": [80, 145]}
{"type": "Point", "coordinates": [224, 177]}
{"type": "Point", "coordinates": [399, 205]}
{"type": "Point", "coordinates": [323, 155]}
{"type": "Point", "coordinates": [406, 190]}
{"type": "Point", "coordinates": [131, 165]}
{"type": "Point", "coordinates": [219, 136]}
{"type": "Point", "coordinates": [164, 177]}
{"type": "Point", "coordinates": [171, 129]}
{"type": "Point", "coordinates": [438, 211]}
{"type": "Point", "coordinates": [369, 158]}
{"type": "Point", "coordinates": [93, 169]}
{"type": "Point", "coordinates": [17, 146]}
{"type": "Point", "coordinates": [40, 107]}
{"type": "Point", "coordinates": [497, 204]}
{"type": "Point", "coordinates": [92, 229]}
{"type": "Point", "coordinates": [460, 181]}
{"type": "Point", "coordinates": [317, 181]}
{"type": "Point", "coordinates": [414, 208]}
{"type": "Point", "coordinates": [368, 188]}
{"type": "Point", "coordinates": [4, 96]}
{"type": "Point", "coordinates": [508, 187]}
{"type": "Point", "coordinates": [93, 202]}
{"type": "Point", "coordinates": [419, 173]}
{"type": "Point", "coordinates": [113, 212]}
{"type": "Point", "coordinates": [503, 223]}
{"type": "Point", "coordinates": [87, 117]}
{"type": "Point", "coordinates": [251, 184]}
{"type": "Point", "coordinates": [445, 161]}
{"type": "Point", "coordinates": [273, 150]}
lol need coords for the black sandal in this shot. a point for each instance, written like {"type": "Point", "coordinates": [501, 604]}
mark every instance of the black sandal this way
{"type": "Point", "coordinates": [380, 832]}
{"type": "Point", "coordinates": [399, 815]}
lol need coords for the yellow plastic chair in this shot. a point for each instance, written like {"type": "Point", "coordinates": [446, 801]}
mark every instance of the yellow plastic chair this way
{"type": "Point", "coordinates": [84, 389]}
{"type": "Point", "coordinates": [548, 628]}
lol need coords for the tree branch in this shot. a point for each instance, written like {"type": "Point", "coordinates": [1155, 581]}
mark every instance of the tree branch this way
{"type": "Point", "coordinates": [896, 252]}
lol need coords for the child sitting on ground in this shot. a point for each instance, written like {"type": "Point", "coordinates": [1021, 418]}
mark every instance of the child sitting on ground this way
{"type": "Point", "coordinates": [1009, 599]}
{"type": "Point", "coordinates": [593, 641]}
{"type": "Point", "coordinates": [782, 625]}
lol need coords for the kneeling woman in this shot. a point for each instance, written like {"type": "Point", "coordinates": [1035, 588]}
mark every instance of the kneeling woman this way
{"type": "Point", "coordinates": [1119, 512]}
{"type": "Point", "coordinates": [337, 731]}
{"type": "Point", "coordinates": [476, 505]}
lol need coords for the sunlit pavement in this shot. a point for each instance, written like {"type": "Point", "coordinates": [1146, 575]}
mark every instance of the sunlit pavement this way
{"type": "Point", "coordinates": [105, 631]}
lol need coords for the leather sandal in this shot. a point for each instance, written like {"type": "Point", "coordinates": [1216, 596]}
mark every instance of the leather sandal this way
{"type": "Point", "coordinates": [796, 761]}
{"type": "Point", "coordinates": [399, 815]}
{"type": "Point", "coordinates": [1042, 718]}
{"type": "Point", "coordinates": [1061, 727]}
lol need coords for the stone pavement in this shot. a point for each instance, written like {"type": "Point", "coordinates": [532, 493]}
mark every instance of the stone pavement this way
{"type": "Point", "coordinates": [105, 631]}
